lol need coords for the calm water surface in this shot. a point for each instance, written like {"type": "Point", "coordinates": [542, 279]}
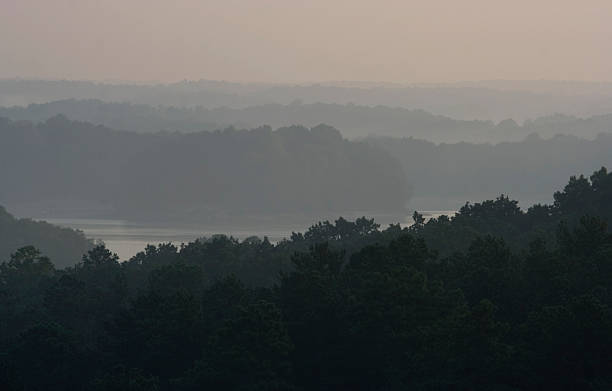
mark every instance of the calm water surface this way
{"type": "Point", "coordinates": [127, 238]}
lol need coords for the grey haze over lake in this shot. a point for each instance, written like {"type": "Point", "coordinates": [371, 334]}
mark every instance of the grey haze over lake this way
{"type": "Point", "coordinates": [127, 238]}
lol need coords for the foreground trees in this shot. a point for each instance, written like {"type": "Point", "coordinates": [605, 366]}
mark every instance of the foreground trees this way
{"type": "Point", "coordinates": [353, 307]}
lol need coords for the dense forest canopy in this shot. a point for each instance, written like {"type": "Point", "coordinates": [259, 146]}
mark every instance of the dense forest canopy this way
{"type": "Point", "coordinates": [495, 298]}
{"type": "Point", "coordinates": [62, 164]}
{"type": "Point", "coordinates": [353, 120]}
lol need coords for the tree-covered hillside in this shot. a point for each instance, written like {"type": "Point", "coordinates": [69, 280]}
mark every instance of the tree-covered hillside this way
{"type": "Point", "coordinates": [65, 246]}
{"type": "Point", "coordinates": [62, 164]}
{"type": "Point", "coordinates": [75, 168]}
{"type": "Point", "coordinates": [447, 175]}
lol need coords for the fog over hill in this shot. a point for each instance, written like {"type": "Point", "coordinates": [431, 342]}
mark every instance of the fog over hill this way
{"type": "Point", "coordinates": [355, 121]}
{"type": "Point", "coordinates": [478, 100]}
{"type": "Point", "coordinates": [561, 87]}
{"type": "Point", "coordinates": [445, 176]}
{"type": "Point", "coordinates": [66, 167]}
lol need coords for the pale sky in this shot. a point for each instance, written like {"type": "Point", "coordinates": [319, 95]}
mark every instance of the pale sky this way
{"type": "Point", "coordinates": [306, 40]}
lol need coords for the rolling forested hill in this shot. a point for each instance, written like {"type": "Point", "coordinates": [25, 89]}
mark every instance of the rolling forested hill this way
{"type": "Point", "coordinates": [445, 176]}
{"type": "Point", "coordinates": [65, 246]}
{"type": "Point", "coordinates": [62, 164]}
{"type": "Point", "coordinates": [354, 121]}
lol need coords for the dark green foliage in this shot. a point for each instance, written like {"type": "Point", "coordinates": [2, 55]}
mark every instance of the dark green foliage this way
{"type": "Point", "coordinates": [47, 357]}
{"type": "Point", "coordinates": [568, 345]}
{"type": "Point", "coordinates": [23, 280]}
{"type": "Point", "coordinates": [503, 218]}
{"type": "Point", "coordinates": [123, 379]}
{"type": "Point", "coordinates": [159, 334]}
{"type": "Point", "coordinates": [492, 299]}
{"type": "Point", "coordinates": [249, 351]}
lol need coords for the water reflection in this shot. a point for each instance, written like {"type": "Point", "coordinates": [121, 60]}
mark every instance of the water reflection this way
{"type": "Point", "coordinates": [127, 238]}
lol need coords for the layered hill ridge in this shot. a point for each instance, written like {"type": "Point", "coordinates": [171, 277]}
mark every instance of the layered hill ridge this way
{"type": "Point", "coordinates": [492, 100]}
{"type": "Point", "coordinates": [204, 176]}
{"type": "Point", "coordinates": [355, 121]}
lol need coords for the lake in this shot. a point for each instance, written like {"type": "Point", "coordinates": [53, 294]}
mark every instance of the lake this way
{"type": "Point", "coordinates": [127, 238]}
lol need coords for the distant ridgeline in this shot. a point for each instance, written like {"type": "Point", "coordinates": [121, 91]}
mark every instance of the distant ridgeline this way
{"type": "Point", "coordinates": [487, 100]}
{"type": "Point", "coordinates": [353, 120]}
{"type": "Point", "coordinates": [444, 176]}
{"type": "Point", "coordinates": [61, 164]}
{"type": "Point", "coordinates": [65, 246]}
{"type": "Point", "coordinates": [75, 168]}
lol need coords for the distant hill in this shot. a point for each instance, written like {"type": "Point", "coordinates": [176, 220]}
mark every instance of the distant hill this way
{"type": "Point", "coordinates": [125, 116]}
{"type": "Point", "coordinates": [63, 167]}
{"type": "Point", "coordinates": [445, 176]}
{"type": "Point", "coordinates": [353, 120]}
{"type": "Point", "coordinates": [68, 166]}
{"type": "Point", "coordinates": [494, 101]}
{"type": "Point", "coordinates": [63, 245]}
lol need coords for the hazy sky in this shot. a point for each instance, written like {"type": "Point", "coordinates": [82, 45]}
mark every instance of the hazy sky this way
{"type": "Point", "coordinates": [306, 40]}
